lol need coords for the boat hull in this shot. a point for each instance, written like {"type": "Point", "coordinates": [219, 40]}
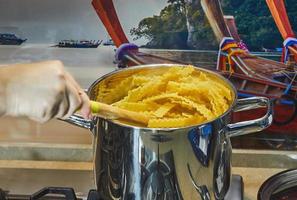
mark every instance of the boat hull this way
{"type": "Point", "coordinates": [78, 46]}
{"type": "Point", "coordinates": [285, 121]}
{"type": "Point", "coordinates": [12, 42]}
{"type": "Point", "coordinates": [247, 84]}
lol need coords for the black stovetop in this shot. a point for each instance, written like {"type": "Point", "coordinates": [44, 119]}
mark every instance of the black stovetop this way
{"type": "Point", "coordinates": [65, 193]}
{"type": "Point", "coordinates": [50, 193]}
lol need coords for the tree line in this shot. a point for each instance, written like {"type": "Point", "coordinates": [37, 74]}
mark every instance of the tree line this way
{"type": "Point", "coordinates": [183, 25]}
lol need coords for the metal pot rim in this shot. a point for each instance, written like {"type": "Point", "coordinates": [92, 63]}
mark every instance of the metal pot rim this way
{"type": "Point", "coordinates": [166, 65]}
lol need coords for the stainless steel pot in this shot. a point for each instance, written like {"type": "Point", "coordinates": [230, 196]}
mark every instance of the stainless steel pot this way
{"type": "Point", "coordinates": [174, 163]}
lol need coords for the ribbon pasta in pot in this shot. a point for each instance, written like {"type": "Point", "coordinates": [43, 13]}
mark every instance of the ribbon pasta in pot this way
{"type": "Point", "coordinates": [172, 97]}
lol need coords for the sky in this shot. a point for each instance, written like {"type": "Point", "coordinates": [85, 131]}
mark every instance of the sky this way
{"type": "Point", "coordinates": [49, 21]}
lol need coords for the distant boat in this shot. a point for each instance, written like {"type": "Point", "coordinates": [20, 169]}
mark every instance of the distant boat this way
{"type": "Point", "coordinates": [79, 43]}
{"type": "Point", "coordinates": [10, 39]}
{"type": "Point", "coordinates": [108, 43]}
{"type": "Point", "coordinates": [268, 50]}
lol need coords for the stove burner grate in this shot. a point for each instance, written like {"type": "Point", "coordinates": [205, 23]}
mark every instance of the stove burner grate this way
{"type": "Point", "coordinates": [50, 193]}
{"type": "Point", "coordinates": [66, 193]}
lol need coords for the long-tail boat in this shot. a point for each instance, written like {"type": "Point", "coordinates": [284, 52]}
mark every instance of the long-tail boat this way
{"type": "Point", "coordinates": [78, 44]}
{"type": "Point", "coordinates": [10, 39]}
{"type": "Point", "coordinates": [230, 22]}
{"type": "Point", "coordinates": [127, 54]}
{"type": "Point", "coordinates": [280, 16]}
{"type": "Point", "coordinates": [277, 80]}
{"type": "Point", "coordinates": [252, 76]}
{"type": "Point", "coordinates": [232, 58]}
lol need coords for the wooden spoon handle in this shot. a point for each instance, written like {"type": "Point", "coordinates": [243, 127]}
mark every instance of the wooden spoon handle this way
{"type": "Point", "coordinates": [115, 112]}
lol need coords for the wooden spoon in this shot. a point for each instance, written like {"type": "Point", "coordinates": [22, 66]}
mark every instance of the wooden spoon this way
{"type": "Point", "coordinates": [112, 112]}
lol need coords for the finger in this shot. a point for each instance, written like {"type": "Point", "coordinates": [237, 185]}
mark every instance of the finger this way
{"type": "Point", "coordinates": [75, 100]}
{"type": "Point", "coordinates": [64, 105]}
{"type": "Point", "coordinates": [85, 108]}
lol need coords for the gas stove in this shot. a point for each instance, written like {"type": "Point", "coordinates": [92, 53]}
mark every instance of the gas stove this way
{"type": "Point", "coordinates": [50, 193]}
{"type": "Point", "coordinates": [33, 184]}
{"type": "Point", "coordinates": [66, 193]}
{"type": "Point", "coordinates": [23, 184]}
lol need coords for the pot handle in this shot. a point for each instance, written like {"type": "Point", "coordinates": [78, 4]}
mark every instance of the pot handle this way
{"type": "Point", "coordinates": [78, 120]}
{"type": "Point", "coordinates": [251, 126]}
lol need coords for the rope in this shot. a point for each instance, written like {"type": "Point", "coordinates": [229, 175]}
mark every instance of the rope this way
{"type": "Point", "coordinates": [290, 85]}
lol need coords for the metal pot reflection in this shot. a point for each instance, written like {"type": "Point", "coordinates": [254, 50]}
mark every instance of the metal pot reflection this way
{"type": "Point", "coordinates": [175, 163]}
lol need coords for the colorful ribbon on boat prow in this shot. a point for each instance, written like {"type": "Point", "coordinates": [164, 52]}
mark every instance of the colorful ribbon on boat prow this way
{"type": "Point", "coordinates": [242, 46]}
{"type": "Point", "coordinates": [290, 41]}
{"type": "Point", "coordinates": [228, 48]}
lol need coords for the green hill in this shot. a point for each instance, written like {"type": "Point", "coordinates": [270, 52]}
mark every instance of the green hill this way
{"type": "Point", "coordinates": [182, 25]}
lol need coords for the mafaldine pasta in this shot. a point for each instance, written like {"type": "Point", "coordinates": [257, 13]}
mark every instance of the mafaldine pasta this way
{"type": "Point", "coordinates": [179, 97]}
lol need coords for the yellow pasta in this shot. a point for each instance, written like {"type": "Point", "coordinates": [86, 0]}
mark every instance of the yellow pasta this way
{"type": "Point", "coordinates": [171, 97]}
{"type": "Point", "coordinates": [176, 122]}
{"type": "Point", "coordinates": [162, 110]}
{"type": "Point", "coordinates": [111, 95]}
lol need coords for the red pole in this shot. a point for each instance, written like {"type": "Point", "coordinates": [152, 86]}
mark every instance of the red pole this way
{"type": "Point", "coordinates": [107, 13]}
{"type": "Point", "coordinates": [279, 14]}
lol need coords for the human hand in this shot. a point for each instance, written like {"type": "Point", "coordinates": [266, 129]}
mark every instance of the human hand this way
{"type": "Point", "coordinates": [42, 91]}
